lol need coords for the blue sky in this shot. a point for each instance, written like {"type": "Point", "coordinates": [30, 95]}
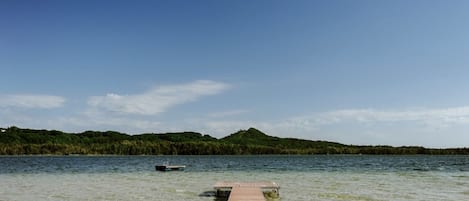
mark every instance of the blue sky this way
{"type": "Point", "coordinates": [356, 72]}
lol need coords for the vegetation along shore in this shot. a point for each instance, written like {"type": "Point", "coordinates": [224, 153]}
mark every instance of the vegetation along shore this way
{"type": "Point", "coordinates": [19, 141]}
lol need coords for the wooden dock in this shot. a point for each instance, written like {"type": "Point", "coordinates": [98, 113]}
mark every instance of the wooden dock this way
{"type": "Point", "coordinates": [240, 191]}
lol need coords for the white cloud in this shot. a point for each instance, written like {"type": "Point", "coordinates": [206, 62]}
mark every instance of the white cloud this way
{"type": "Point", "coordinates": [430, 117]}
{"type": "Point", "coordinates": [157, 100]}
{"type": "Point", "coordinates": [31, 101]}
{"type": "Point", "coordinates": [445, 127]}
{"type": "Point", "coordinates": [102, 123]}
{"type": "Point", "coordinates": [227, 113]}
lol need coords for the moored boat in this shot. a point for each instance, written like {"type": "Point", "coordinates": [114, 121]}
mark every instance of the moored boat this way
{"type": "Point", "coordinates": [169, 167]}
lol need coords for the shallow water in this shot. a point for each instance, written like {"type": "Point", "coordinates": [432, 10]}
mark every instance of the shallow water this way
{"type": "Point", "coordinates": [300, 177]}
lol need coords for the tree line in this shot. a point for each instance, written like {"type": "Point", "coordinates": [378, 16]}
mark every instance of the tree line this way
{"type": "Point", "coordinates": [18, 141]}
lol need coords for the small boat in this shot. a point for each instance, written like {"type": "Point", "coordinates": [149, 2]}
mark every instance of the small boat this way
{"type": "Point", "coordinates": [167, 167]}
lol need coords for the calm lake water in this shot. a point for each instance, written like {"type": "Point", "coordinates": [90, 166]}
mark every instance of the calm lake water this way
{"type": "Point", "coordinates": [300, 177]}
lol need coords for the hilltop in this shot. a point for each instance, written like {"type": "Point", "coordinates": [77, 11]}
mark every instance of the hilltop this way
{"type": "Point", "coordinates": [18, 141]}
{"type": "Point", "coordinates": [256, 137]}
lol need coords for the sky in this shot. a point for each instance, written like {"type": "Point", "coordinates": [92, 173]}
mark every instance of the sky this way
{"type": "Point", "coordinates": [362, 72]}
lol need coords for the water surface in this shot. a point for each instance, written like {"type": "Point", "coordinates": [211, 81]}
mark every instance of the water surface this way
{"type": "Point", "coordinates": [333, 177]}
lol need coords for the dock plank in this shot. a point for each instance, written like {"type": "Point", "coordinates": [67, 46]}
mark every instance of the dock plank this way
{"type": "Point", "coordinates": [228, 184]}
{"type": "Point", "coordinates": [246, 194]}
{"type": "Point", "coordinates": [245, 191]}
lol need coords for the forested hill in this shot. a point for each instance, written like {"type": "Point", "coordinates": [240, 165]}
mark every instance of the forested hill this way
{"type": "Point", "coordinates": [17, 141]}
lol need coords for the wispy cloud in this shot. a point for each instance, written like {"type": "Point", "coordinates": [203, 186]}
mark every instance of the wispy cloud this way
{"type": "Point", "coordinates": [98, 122]}
{"type": "Point", "coordinates": [158, 99]}
{"type": "Point", "coordinates": [441, 127]}
{"type": "Point", "coordinates": [227, 113]}
{"type": "Point", "coordinates": [31, 101]}
{"type": "Point", "coordinates": [430, 117]}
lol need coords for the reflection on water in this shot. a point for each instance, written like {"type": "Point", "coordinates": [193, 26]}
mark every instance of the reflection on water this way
{"type": "Point", "coordinates": [300, 177]}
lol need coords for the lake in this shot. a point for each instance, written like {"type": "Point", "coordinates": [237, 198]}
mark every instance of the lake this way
{"type": "Point", "coordinates": [325, 177]}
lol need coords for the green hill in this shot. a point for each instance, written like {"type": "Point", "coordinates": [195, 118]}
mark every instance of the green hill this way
{"type": "Point", "coordinates": [17, 141]}
{"type": "Point", "coordinates": [256, 137]}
